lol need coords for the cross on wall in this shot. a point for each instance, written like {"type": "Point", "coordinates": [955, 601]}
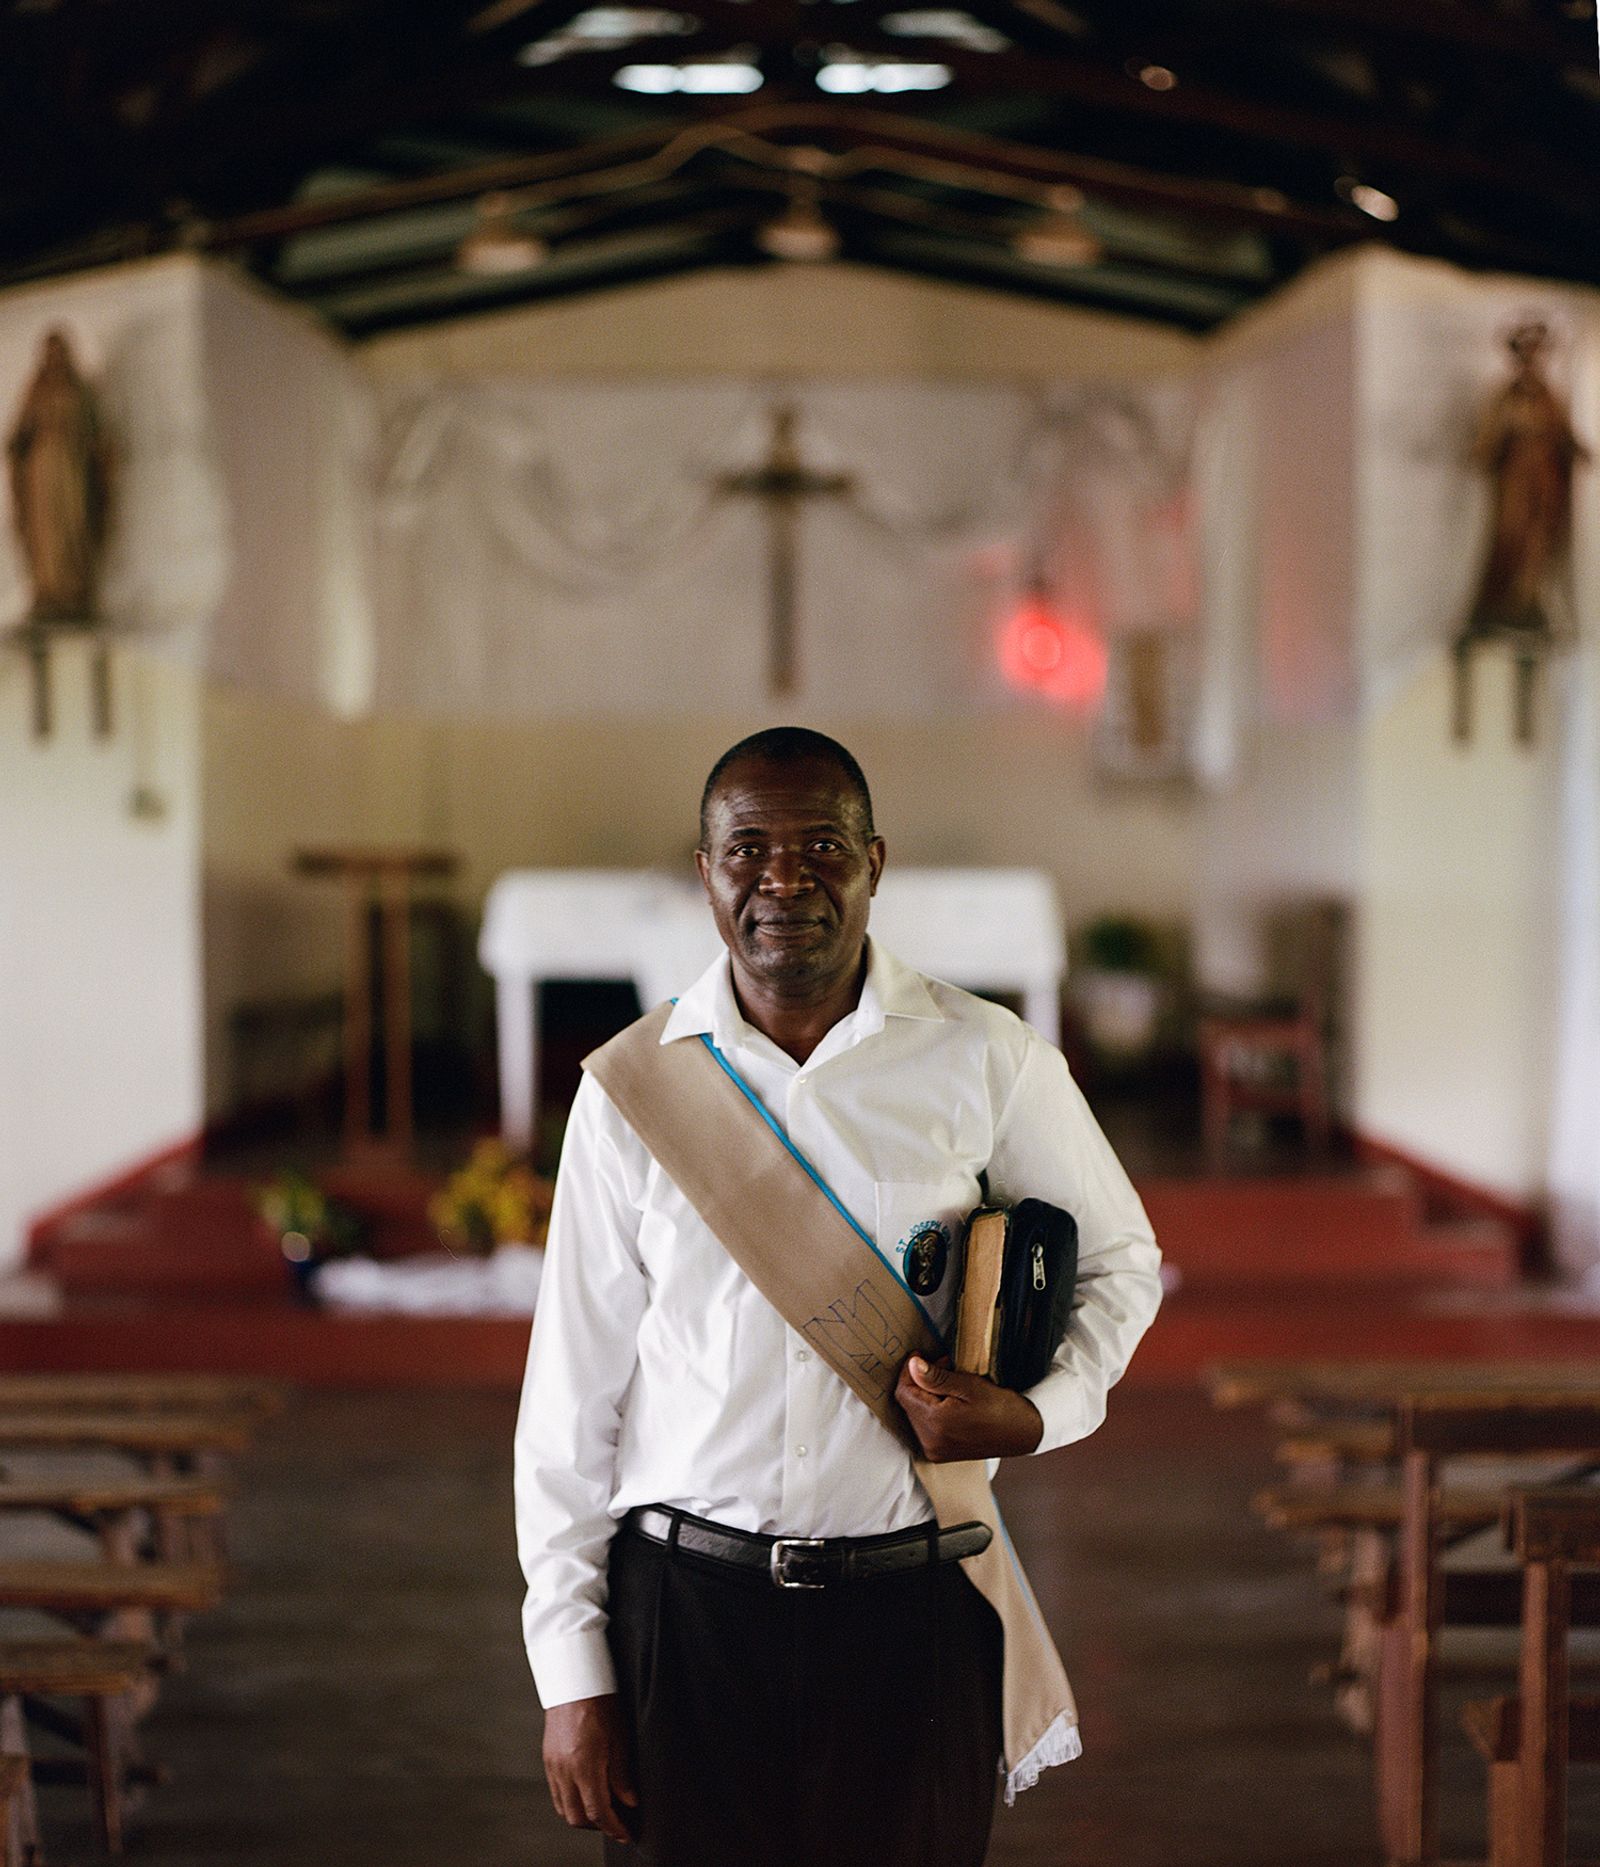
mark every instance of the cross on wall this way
{"type": "Point", "coordinates": [782, 482]}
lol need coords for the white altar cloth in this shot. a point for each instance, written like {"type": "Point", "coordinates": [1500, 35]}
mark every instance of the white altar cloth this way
{"type": "Point", "coordinates": [990, 929]}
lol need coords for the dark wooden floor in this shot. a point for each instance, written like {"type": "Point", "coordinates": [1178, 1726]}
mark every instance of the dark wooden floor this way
{"type": "Point", "coordinates": [362, 1696]}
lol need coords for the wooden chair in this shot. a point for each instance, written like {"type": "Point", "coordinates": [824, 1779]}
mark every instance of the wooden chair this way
{"type": "Point", "coordinates": [108, 1677]}
{"type": "Point", "coordinates": [1528, 1740]}
{"type": "Point", "coordinates": [1272, 1056]}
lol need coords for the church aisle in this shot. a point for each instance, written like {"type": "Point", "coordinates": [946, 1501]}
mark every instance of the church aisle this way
{"type": "Point", "coordinates": [361, 1695]}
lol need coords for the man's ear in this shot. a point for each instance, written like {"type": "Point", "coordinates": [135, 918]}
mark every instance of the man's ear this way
{"type": "Point", "coordinates": [702, 864]}
{"type": "Point", "coordinates": [876, 853]}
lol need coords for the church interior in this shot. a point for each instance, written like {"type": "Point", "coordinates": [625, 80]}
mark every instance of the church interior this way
{"type": "Point", "coordinates": [1159, 441]}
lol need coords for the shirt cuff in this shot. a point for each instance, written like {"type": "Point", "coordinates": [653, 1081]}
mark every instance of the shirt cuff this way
{"type": "Point", "coordinates": [1064, 1407]}
{"type": "Point", "coordinates": [572, 1666]}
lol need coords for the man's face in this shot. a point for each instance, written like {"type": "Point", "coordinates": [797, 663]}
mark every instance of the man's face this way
{"type": "Point", "coordinates": [790, 872]}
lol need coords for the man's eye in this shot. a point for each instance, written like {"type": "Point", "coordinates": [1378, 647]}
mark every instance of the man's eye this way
{"type": "Point", "coordinates": [744, 850]}
{"type": "Point", "coordinates": [827, 845]}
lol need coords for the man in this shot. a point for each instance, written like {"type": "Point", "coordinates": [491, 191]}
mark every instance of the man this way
{"type": "Point", "coordinates": [673, 1425]}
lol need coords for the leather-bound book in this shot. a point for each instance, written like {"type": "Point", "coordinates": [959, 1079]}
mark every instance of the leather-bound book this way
{"type": "Point", "coordinates": [978, 1316]}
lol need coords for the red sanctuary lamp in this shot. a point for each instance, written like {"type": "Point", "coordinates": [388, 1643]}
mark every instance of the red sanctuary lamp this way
{"type": "Point", "coordinates": [1050, 651]}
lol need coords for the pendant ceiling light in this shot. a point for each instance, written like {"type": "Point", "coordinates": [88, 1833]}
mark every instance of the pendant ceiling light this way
{"type": "Point", "coordinates": [802, 231]}
{"type": "Point", "coordinates": [1058, 238]}
{"type": "Point", "coordinates": [496, 245]}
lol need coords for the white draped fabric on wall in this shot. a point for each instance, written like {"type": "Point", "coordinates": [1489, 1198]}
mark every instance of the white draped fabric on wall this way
{"type": "Point", "coordinates": [567, 550]}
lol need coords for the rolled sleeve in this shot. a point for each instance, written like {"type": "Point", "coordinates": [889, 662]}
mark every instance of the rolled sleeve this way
{"type": "Point", "coordinates": [1048, 1145]}
{"type": "Point", "coordinates": [581, 1358]}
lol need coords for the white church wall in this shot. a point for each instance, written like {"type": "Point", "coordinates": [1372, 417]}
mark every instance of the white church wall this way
{"type": "Point", "coordinates": [290, 425]}
{"type": "Point", "coordinates": [786, 320]}
{"type": "Point", "coordinates": [509, 791]}
{"type": "Point", "coordinates": [100, 1042]}
{"type": "Point", "coordinates": [1279, 819]}
{"type": "Point", "coordinates": [1457, 1013]}
{"type": "Point", "coordinates": [1456, 937]}
{"type": "Point", "coordinates": [100, 1053]}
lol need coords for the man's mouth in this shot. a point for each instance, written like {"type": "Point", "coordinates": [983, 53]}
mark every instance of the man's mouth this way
{"type": "Point", "coordinates": [784, 930]}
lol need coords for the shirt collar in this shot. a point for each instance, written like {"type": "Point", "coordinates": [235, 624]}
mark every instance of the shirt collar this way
{"type": "Point", "coordinates": [891, 989]}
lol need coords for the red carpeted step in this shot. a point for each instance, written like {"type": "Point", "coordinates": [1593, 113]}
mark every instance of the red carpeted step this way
{"type": "Point", "coordinates": [1350, 1229]}
{"type": "Point", "coordinates": [117, 1253]}
{"type": "Point", "coordinates": [200, 1238]}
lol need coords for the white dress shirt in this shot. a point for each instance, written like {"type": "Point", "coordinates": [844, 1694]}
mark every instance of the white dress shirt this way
{"type": "Point", "coordinates": [658, 1373]}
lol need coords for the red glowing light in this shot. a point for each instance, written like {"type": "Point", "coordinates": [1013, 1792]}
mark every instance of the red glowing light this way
{"type": "Point", "coordinates": [1041, 647]}
{"type": "Point", "coordinates": [1053, 653]}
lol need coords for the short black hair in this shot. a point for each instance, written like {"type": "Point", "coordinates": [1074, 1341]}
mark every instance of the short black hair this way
{"type": "Point", "coordinates": [789, 745]}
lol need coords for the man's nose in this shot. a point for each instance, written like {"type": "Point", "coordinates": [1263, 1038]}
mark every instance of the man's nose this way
{"type": "Point", "coordinates": [786, 873]}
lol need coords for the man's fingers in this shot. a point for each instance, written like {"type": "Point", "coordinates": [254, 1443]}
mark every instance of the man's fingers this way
{"type": "Point", "coordinates": [569, 1804]}
{"type": "Point", "coordinates": [600, 1809]}
{"type": "Point", "coordinates": [622, 1788]}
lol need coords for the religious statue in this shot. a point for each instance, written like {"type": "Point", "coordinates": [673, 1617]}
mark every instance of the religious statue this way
{"type": "Point", "coordinates": [1526, 443]}
{"type": "Point", "coordinates": [60, 470]}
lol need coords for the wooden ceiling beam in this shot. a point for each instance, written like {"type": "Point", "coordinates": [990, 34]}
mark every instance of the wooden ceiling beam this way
{"type": "Point", "coordinates": [726, 242]}
{"type": "Point", "coordinates": [849, 205]}
{"type": "Point", "coordinates": [839, 126]}
{"type": "Point", "coordinates": [1342, 138]}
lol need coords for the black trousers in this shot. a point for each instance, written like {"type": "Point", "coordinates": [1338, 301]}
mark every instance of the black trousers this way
{"type": "Point", "coordinates": [856, 1726]}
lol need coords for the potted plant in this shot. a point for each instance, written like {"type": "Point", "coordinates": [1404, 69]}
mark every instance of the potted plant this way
{"type": "Point", "coordinates": [1120, 988]}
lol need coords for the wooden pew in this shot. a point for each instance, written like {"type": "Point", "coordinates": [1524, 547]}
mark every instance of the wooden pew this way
{"type": "Point", "coordinates": [107, 1676]}
{"type": "Point", "coordinates": [166, 1442]}
{"type": "Point", "coordinates": [1361, 1507]}
{"type": "Point", "coordinates": [1527, 1740]}
{"type": "Point", "coordinates": [92, 1594]}
{"type": "Point", "coordinates": [182, 1393]}
{"type": "Point", "coordinates": [1380, 1386]}
{"type": "Point", "coordinates": [1435, 1427]}
{"type": "Point", "coordinates": [186, 1513]}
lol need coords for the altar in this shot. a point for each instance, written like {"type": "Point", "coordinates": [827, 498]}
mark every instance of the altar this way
{"type": "Point", "coordinates": [996, 930]}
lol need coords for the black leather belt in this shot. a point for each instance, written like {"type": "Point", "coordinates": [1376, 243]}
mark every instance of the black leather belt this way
{"type": "Point", "coordinates": [808, 1561]}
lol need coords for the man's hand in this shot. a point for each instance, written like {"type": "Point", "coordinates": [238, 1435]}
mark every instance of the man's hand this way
{"type": "Point", "coordinates": [964, 1416]}
{"type": "Point", "coordinates": [586, 1765]}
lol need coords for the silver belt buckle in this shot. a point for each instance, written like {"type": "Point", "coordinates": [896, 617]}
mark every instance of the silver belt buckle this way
{"type": "Point", "coordinates": [781, 1546]}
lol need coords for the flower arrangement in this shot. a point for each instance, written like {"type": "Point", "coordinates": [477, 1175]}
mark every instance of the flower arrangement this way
{"type": "Point", "coordinates": [495, 1199]}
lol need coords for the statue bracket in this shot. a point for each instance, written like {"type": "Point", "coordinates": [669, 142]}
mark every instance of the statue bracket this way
{"type": "Point", "coordinates": [37, 638]}
{"type": "Point", "coordinates": [1531, 645]}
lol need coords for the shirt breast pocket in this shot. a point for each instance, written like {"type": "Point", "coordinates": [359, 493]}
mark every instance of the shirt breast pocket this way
{"type": "Point", "coordinates": [919, 1230]}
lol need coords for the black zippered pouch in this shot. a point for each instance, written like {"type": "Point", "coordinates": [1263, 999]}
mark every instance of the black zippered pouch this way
{"type": "Point", "coordinates": [1038, 1281]}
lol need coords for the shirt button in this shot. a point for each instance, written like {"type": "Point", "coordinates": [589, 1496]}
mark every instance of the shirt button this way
{"type": "Point", "coordinates": [802, 1354]}
{"type": "Point", "coordinates": [799, 1452]}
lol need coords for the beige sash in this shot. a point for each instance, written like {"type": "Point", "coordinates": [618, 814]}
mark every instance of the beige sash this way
{"type": "Point", "coordinates": [856, 1313]}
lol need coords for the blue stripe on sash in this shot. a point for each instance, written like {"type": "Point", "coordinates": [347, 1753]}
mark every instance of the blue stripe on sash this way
{"type": "Point", "coordinates": [822, 1185]}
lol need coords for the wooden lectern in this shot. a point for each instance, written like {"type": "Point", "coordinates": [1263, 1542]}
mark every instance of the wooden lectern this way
{"type": "Point", "coordinates": [387, 876]}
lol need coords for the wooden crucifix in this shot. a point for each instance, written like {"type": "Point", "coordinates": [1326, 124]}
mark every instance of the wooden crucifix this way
{"type": "Point", "coordinates": [782, 482]}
